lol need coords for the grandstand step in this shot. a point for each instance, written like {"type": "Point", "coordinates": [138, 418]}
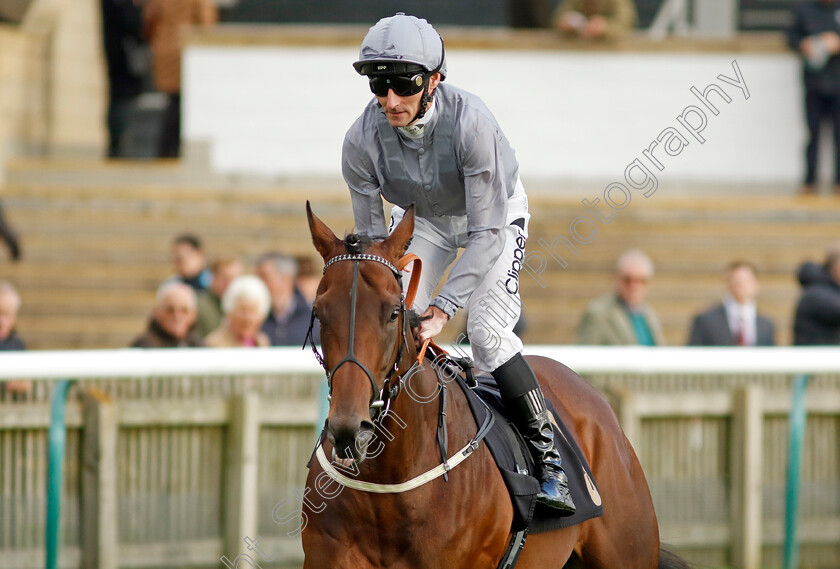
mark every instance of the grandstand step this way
{"type": "Point", "coordinates": [96, 240]}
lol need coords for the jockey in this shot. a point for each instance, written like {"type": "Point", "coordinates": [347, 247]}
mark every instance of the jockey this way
{"type": "Point", "coordinates": [433, 145]}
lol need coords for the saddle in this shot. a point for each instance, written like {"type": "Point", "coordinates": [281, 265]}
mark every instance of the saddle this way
{"type": "Point", "coordinates": [514, 461]}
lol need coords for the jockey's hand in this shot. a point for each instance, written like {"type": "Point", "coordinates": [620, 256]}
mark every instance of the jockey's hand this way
{"type": "Point", "coordinates": [432, 323]}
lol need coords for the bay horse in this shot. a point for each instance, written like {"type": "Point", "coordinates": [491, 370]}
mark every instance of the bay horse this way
{"type": "Point", "coordinates": [387, 519]}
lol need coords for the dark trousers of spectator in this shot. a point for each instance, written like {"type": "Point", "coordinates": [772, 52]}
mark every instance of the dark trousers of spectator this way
{"type": "Point", "coordinates": [528, 13]}
{"type": "Point", "coordinates": [119, 115]}
{"type": "Point", "coordinates": [170, 132]}
{"type": "Point", "coordinates": [9, 236]}
{"type": "Point", "coordinates": [819, 107]}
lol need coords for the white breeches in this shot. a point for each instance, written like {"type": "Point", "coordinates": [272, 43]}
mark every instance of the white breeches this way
{"type": "Point", "coordinates": [494, 307]}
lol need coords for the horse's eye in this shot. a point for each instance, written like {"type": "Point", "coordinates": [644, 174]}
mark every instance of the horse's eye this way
{"type": "Point", "coordinates": [395, 314]}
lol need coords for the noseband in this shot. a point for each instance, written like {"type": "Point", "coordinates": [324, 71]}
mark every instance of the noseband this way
{"type": "Point", "coordinates": [380, 398]}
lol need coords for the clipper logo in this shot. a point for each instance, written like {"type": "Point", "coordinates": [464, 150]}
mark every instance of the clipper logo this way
{"type": "Point", "coordinates": [512, 282]}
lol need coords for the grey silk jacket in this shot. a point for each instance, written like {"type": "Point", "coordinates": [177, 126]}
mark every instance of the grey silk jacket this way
{"type": "Point", "coordinates": [464, 165]}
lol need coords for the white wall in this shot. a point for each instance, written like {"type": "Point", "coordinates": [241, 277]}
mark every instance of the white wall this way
{"type": "Point", "coordinates": [582, 116]}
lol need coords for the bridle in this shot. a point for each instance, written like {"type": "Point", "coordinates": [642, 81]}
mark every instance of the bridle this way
{"type": "Point", "coordinates": [380, 400]}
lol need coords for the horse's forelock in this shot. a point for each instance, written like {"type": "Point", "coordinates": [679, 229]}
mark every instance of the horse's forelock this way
{"type": "Point", "coordinates": [355, 243]}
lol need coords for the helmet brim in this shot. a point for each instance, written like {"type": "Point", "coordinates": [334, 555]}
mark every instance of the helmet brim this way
{"type": "Point", "coordinates": [369, 67]}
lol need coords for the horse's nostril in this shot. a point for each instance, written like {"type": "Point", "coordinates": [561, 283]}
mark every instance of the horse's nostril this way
{"type": "Point", "coordinates": [342, 433]}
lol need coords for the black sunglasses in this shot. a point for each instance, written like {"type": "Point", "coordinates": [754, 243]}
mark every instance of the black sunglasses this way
{"type": "Point", "coordinates": [402, 85]}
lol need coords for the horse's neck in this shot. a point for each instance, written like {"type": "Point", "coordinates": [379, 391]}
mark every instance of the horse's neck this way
{"type": "Point", "coordinates": [408, 432]}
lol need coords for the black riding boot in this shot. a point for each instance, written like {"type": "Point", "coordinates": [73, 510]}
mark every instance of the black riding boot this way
{"type": "Point", "coordinates": [524, 401]}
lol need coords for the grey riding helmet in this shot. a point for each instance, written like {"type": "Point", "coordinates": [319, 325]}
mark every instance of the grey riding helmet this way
{"type": "Point", "coordinates": [400, 45]}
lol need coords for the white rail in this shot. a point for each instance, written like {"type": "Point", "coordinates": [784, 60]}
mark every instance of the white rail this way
{"type": "Point", "coordinates": [139, 363]}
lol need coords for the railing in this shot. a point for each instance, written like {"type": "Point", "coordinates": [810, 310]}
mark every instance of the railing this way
{"type": "Point", "coordinates": [186, 453]}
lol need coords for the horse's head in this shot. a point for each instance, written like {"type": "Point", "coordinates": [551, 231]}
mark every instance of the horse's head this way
{"type": "Point", "coordinates": [363, 320]}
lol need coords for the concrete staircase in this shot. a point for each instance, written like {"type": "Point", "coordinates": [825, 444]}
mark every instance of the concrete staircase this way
{"type": "Point", "coordinates": [691, 240]}
{"type": "Point", "coordinates": [95, 252]}
{"type": "Point", "coordinates": [94, 256]}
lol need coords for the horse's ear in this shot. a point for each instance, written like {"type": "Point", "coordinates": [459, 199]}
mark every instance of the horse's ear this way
{"type": "Point", "coordinates": [322, 236]}
{"type": "Point", "coordinates": [398, 241]}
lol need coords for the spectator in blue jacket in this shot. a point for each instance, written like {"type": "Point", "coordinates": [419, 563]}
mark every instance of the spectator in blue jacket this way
{"type": "Point", "coordinates": [290, 314]}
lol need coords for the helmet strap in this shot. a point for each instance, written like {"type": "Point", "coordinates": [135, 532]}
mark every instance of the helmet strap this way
{"type": "Point", "coordinates": [427, 97]}
{"type": "Point", "coordinates": [424, 102]}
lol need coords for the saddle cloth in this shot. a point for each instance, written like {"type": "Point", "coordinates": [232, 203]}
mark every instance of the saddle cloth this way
{"type": "Point", "coordinates": [517, 466]}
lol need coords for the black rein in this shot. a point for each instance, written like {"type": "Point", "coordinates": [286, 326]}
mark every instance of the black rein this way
{"type": "Point", "coordinates": [380, 399]}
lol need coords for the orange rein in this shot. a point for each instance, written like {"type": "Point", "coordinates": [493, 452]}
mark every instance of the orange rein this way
{"type": "Point", "coordinates": [417, 267]}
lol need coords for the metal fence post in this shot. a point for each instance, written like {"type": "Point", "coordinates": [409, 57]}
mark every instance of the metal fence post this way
{"type": "Point", "coordinates": [797, 435]}
{"type": "Point", "coordinates": [55, 465]}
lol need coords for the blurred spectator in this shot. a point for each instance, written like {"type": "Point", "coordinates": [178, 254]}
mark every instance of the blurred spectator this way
{"type": "Point", "coordinates": [163, 25]}
{"type": "Point", "coordinates": [815, 34]}
{"type": "Point", "coordinates": [9, 339]}
{"type": "Point", "coordinates": [173, 316]}
{"type": "Point", "coordinates": [817, 318]}
{"type": "Point", "coordinates": [125, 62]}
{"type": "Point", "coordinates": [734, 322]}
{"type": "Point", "coordinates": [308, 278]}
{"type": "Point", "coordinates": [595, 19]}
{"type": "Point", "coordinates": [624, 317]}
{"type": "Point", "coordinates": [189, 263]}
{"type": "Point", "coordinates": [9, 236]}
{"type": "Point", "coordinates": [528, 13]}
{"type": "Point", "coordinates": [246, 304]}
{"type": "Point", "coordinates": [9, 307]}
{"type": "Point", "coordinates": [210, 312]}
{"type": "Point", "coordinates": [288, 320]}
